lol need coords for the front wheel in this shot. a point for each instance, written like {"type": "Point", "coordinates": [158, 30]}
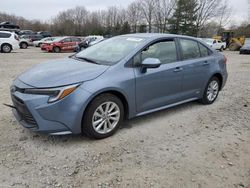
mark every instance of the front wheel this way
{"type": "Point", "coordinates": [103, 116]}
{"type": "Point", "coordinates": [212, 91]}
{"type": "Point", "coordinates": [23, 45]}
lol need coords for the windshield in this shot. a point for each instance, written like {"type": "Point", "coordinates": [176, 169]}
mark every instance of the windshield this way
{"type": "Point", "coordinates": [247, 41]}
{"type": "Point", "coordinates": [110, 51]}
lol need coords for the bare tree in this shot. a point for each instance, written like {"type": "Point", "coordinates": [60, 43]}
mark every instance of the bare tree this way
{"type": "Point", "coordinates": [134, 15]}
{"type": "Point", "coordinates": [224, 14]}
{"type": "Point", "coordinates": [162, 13]}
{"type": "Point", "coordinates": [148, 8]}
{"type": "Point", "coordinates": [207, 9]}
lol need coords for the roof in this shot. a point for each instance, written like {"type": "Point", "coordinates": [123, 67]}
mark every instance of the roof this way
{"type": "Point", "coordinates": [154, 35]}
{"type": "Point", "coordinates": [6, 32]}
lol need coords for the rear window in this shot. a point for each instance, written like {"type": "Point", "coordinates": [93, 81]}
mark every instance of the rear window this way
{"type": "Point", "coordinates": [5, 35]}
{"type": "Point", "coordinates": [76, 39]}
{"type": "Point", "coordinates": [190, 49]}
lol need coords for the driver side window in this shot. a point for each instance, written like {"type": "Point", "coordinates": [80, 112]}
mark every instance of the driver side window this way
{"type": "Point", "coordinates": [165, 51]}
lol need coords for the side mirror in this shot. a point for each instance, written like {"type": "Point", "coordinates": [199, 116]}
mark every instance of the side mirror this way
{"type": "Point", "coordinates": [150, 63]}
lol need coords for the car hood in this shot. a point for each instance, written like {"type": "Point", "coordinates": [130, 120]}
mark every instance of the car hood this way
{"type": "Point", "coordinates": [61, 72]}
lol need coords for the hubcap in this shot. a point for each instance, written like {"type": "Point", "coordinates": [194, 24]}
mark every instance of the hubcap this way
{"type": "Point", "coordinates": [6, 48]}
{"type": "Point", "coordinates": [212, 90]}
{"type": "Point", "coordinates": [106, 117]}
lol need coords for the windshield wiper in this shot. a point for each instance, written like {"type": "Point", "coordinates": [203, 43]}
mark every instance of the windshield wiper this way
{"type": "Point", "coordinates": [87, 59]}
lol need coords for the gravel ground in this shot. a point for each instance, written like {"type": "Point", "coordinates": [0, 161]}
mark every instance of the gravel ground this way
{"type": "Point", "coordinates": [186, 146]}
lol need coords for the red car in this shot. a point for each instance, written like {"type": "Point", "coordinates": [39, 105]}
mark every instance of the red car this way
{"type": "Point", "coordinates": [66, 44]}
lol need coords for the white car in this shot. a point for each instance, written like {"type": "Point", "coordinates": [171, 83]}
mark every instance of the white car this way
{"type": "Point", "coordinates": [8, 41]}
{"type": "Point", "coordinates": [216, 44]}
{"type": "Point", "coordinates": [38, 43]}
{"type": "Point", "coordinates": [95, 40]}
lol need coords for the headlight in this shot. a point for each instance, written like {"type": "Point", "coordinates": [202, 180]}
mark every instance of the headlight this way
{"type": "Point", "coordinates": [54, 94]}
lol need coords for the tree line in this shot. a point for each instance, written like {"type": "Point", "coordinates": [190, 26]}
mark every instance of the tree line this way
{"type": "Point", "coordinates": [189, 17]}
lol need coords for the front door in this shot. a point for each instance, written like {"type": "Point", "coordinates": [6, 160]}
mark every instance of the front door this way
{"type": "Point", "coordinates": [160, 86]}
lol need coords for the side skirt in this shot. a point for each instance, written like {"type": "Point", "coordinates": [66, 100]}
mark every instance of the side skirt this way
{"type": "Point", "coordinates": [165, 107]}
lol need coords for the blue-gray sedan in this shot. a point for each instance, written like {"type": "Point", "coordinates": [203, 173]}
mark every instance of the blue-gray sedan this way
{"type": "Point", "coordinates": [126, 76]}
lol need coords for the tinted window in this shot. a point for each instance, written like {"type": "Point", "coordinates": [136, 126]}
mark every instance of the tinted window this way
{"type": "Point", "coordinates": [204, 50]}
{"type": "Point", "coordinates": [5, 35]}
{"type": "Point", "coordinates": [165, 51]}
{"type": "Point", "coordinates": [190, 49]}
{"type": "Point", "coordinates": [76, 40]}
{"type": "Point", "coordinates": [67, 40]}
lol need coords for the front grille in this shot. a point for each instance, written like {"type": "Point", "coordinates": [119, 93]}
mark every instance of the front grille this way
{"type": "Point", "coordinates": [23, 112]}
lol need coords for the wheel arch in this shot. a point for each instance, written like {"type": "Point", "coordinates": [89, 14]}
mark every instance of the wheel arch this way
{"type": "Point", "coordinates": [116, 93]}
{"type": "Point", "coordinates": [220, 77]}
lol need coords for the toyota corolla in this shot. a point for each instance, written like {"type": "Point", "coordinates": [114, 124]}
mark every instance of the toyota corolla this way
{"type": "Point", "coordinates": [126, 76]}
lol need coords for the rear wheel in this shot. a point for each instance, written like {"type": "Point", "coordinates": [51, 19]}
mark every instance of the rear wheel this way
{"type": "Point", "coordinates": [212, 91]}
{"type": "Point", "coordinates": [6, 48]}
{"type": "Point", "coordinates": [23, 45]}
{"type": "Point", "coordinates": [103, 116]}
{"type": "Point", "coordinates": [56, 49]}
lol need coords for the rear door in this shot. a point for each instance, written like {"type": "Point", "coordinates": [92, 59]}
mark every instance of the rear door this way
{"type": "Point", "coordinates": [160, 86]}
{"type": "Point", "coordinates": [196, 64]}
{"type": "Point", "coordinates": [66, 43]}
{"type": "Point", "coordinates": [74, 42]}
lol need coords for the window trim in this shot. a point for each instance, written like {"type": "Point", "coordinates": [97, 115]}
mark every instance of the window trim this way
{"type": "Point", "coordinates": [210, 52]}
{"type": "Point", "coordinates": [154, 42]}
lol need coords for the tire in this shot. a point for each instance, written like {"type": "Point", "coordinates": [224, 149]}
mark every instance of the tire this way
{"type": "Point", "coordinates": [82, 48]}
{"type": "Point", "coordinates": [39, 45]}
{"type": "Point", "coordinates": [214, 92]}
{"type": "Point", "coordinates": [23, 45]}
{"type": "Point", "coordinates": [111, 122]}
{"type": "Point", "coordinates": [56, 49]}
{"type": "Point", "coordinates": [6, 48]}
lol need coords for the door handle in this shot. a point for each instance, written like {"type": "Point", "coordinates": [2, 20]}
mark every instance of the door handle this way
{"type": "Point", "coordinates": [205, 63]}
{"type": "Point", "coordinates": [178, 69]}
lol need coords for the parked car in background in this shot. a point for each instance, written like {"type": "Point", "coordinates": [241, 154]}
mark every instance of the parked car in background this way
{"type": "Point", "coordinates": [96, 41]}
{"type": "Point", "coordinates": [64, 44]}
{"type": "Point", "coordinates": [26, 32]}
{"type": "Point", "coordinates": [44, 33]}
{"type": "Point", "coordinates": [8, 41]}
{"type": "Point", "coordinates": [93, 91]}
{"type": "Point", "coordinates": [216, 44]}
{"type": "Point", "coordinates": [87, 41]}
{"type": "Point", "coordinates": [39, 43]}
{"type": "Point", "coordinates": [25, 41]}
{"type": "Point", "coordinates": [245, 49]}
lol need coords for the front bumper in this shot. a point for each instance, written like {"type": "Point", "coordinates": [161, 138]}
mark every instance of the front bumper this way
{"type": "Point", "coordinates": [47, 48]}
{"type": "Point", "coordinates": [62, 117]}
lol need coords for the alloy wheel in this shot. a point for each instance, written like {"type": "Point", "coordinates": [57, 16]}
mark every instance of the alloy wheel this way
{"type": "Point", "coordinates": [212, 90]}
{"type": "Point", "coordinates": [106, 117]}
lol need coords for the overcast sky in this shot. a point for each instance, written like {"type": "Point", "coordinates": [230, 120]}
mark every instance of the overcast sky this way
{"type": "Point", "coordinates": [46, 9]}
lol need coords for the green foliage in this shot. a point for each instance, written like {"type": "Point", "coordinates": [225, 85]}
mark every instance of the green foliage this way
{"type": "Point", "coordinates": [184, 17]}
